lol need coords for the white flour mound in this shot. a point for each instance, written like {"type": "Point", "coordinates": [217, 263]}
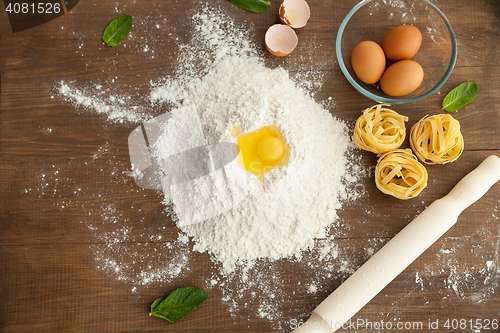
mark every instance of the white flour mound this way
{"type": "Point", "coordinates": [283, 215]}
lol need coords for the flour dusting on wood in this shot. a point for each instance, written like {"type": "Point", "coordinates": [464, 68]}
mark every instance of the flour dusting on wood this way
{"type": "Point", "coordinates": [142, 254]}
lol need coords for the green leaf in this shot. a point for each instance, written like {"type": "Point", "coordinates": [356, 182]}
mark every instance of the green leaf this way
{"type": "Point", "coordinates": [156, 302]}
{"type": "Point", "coordinates": [256, 6]}
{"type": "Point", "coordinates": [460, 96]}
{"type": "Point", "coordinates": [117, 30]}
{"type": "Point", "coordinates": [178, 304]}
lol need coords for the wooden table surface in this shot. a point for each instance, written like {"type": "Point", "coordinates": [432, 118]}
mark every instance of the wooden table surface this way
{"type": "Point", "coordinates": [62, 174]}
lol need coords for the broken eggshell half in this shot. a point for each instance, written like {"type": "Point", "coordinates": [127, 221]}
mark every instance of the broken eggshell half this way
{"type": "Point", "coordinates": [294, 13]}
{"type": "Point", "coordinates": [281, 40]}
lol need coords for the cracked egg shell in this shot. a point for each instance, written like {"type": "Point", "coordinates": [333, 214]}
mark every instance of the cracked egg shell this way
{"type": "Point", "coordinates": [295, 13]}
{"type": "Point", "coordinates": [281, 40]}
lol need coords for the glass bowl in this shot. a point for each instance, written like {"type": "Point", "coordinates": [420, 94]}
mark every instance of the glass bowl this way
{"type": "Point", "coordinates": [372, 19]}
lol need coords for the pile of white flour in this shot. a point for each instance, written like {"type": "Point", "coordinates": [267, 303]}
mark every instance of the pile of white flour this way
{"type": "Point", "coordinates": [221, 72]}
{"type": "Point", "coordinates": [282, 215]}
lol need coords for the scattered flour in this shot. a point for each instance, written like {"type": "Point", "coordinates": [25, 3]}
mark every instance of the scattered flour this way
{"type": "Point", "coordinates": [221, 54]}
{"type": "Point", "coordinates": [474, 279]}
{"type": "Point", "coordinates": [419, 280]}
{"type": "Point", "coordinates": [288, 216]}
{"type": "Point", "coordinates": [312, 289]}
{"type": "Point", "coordinates": [115, 108]}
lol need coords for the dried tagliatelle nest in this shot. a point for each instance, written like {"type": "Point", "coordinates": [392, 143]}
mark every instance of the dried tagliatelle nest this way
{"type": "Point", "coordinates": [379, 129]}
{"type": "Point", "coordinates": [437, 139]}
{"type": "Point", "coordinates": [400, 174]}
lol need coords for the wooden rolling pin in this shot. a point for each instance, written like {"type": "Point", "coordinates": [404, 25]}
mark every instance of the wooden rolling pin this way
{"type": "Point", "coordinates": [401, 251]}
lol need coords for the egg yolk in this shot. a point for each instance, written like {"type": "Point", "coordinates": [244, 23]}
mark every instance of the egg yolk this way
{"type": "Point", "coordinates": [270, 149]}
{"type": "Point", "coordinates": [262, 150]}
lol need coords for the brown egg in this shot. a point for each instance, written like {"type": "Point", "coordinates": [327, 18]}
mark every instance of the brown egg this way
{"type": "Point", "coordinates": [402, 42]}
{"type": "Point", "coordinates": [368, 61]}
{"type": "Point", "coordinates": [402, 77]}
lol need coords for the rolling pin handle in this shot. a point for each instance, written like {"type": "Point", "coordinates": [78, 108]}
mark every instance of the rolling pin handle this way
{"type": "Point", "coordinates": [474, 185]}
{"type": "Point", "coordinates": [315, 324]}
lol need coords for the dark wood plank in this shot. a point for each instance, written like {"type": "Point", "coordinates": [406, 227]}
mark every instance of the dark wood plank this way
{"type": "Point", "coordinates": [62, 179]}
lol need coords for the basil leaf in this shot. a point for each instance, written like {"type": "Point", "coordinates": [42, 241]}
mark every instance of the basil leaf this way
{"type": "Point", "coordinates": [460, 96]}
{"type": "Point", "coordinates": [117, 30]}
{"type": "Point", "coordinates": [178, 304]}
{"type": "Point", "coordinates": [256, 6]}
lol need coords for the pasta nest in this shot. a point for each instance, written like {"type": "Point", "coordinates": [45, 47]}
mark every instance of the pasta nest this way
{"type": "Point", "coordinates": [437, 139]}
{"type": "Point", "coordinates": [400, 174]}
{"type": "Point", "coordinates": [379, 129]}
